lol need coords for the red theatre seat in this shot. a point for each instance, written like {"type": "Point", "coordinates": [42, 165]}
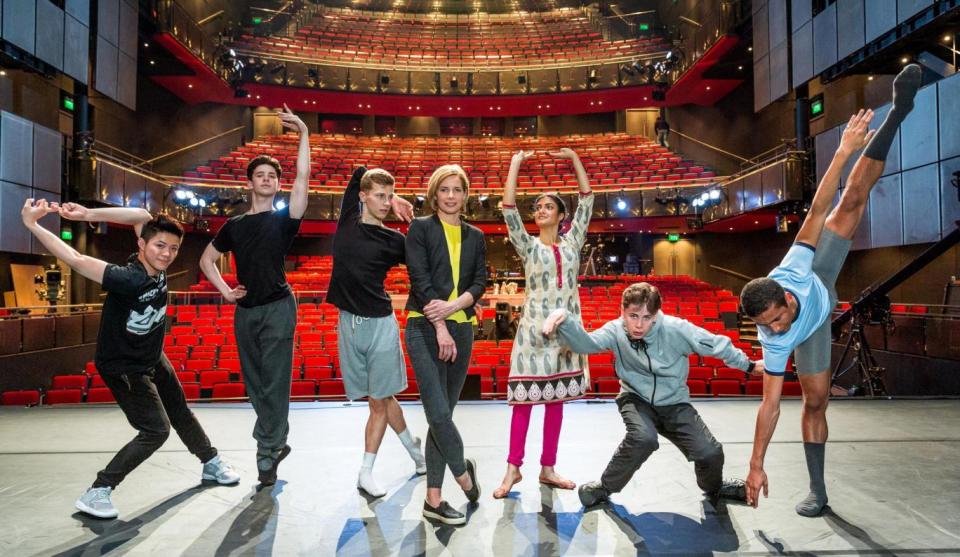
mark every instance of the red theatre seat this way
{"type": "Point", "coordinates": [305, 388]}
{"type": "Point", "coordinates": [331, 388]}
{"type": "Point", "coordinates": [754, 388]}
{"type": "Point", "coordinates": [69, 382]}
{"type": "Point", "coordinates": [100, 394]}
{"type": "Point", "coordinates": [697, 386]}
{"type": "Point", "coordinates": [229, 390]}
{"type": "Point", "coordinates": [20, 398]}
{"type": "Point", "coordinates": [792, 388]}
{"type": "Point", "coordinates": [63, 396]}
{"type": "Point", "coordinates": [725, 387]}
{"type": "Point", "coordinates": [191, 391]}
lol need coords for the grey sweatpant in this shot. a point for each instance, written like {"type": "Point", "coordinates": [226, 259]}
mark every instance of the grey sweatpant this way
{"type": "Point", "coordinates": [265, 343]}
{"type": "Point", "coordinates": [440, 384]}
{"type": "Point", "coordinates": [681, 424]}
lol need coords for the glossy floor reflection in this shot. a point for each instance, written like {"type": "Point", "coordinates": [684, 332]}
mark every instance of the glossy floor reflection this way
{"type": "Point", "coordinates": [893, 475]}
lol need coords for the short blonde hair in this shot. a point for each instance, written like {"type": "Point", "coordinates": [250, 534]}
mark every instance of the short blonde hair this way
{"type": "Point", "coordinates": [442, 174]}
{"type": "Point", "coordinates": [377, 176]}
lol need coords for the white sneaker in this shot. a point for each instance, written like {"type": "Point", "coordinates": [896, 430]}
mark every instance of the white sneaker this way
{"type": "Point", "coordinates": [219, 471]}
{"type": "Point", "coordinates": [96, 502]}
{"type": "Point", "coordinates": [418, 460]}
{"type": "Point", "coordinates": [366, 483]}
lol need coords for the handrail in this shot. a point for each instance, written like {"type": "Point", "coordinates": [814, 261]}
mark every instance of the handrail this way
{"type": "Point", "coordinates": [192, 145]}
{"type": "Point", "coordinates": [127, 167]}
{"type": "Point", "coordinates": [713, 147]}
{"type": "Point", "coordinates": [731, 273]}
{"type": "Point", "coordinates": [684, 183]}
{"type": "Point", "coordinates": [136, 158]}
{"type": "Point", "coordinates": [450, 68]}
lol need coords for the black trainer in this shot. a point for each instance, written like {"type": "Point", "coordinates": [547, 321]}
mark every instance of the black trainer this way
{"type": "Point", "coordinates": [269, 476]}
{"type": "Point", "coordinates": [473, 494]}
{"type": "Point", "coordinates": [444, 513]}
{"type": "Point", "coordinates": [593, 493]}
{"type": "Point", "coordinates": [731, 490]}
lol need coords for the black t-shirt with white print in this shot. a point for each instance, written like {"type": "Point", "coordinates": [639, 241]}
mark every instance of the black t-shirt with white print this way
{"type": "Point", "coordinates": [133, 319]}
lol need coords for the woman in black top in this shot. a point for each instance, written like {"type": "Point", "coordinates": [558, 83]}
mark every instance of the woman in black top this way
{"type": "Point", "coordinates": [447, 265]}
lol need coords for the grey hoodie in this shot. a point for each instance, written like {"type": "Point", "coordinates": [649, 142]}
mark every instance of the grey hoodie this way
{"type": "Point", "coordinates": [655, 368]}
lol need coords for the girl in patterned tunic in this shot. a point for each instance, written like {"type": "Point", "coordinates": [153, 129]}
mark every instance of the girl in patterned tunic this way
{"type": "Point", "coordinates": [541, 370]}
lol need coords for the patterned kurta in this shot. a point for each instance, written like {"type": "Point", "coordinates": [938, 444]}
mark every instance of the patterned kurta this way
{"type": "Point", "coordinates": [541, 370]}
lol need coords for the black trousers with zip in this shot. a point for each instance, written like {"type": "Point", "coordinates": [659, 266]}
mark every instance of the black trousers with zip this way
{"type": "Point", "coordinates": [152, 403]}
{"type": "Point", "coordinates": [681, 424]}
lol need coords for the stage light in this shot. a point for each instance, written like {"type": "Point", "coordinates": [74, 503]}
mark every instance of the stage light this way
{"type": "Point", "coordinates": [202, 202]}
{"type": "Point", "coordinates": [280, 204]}
{"type": "Point", "coordinates": [714, 194]}
{"type": "Point", "coordinates": [180, 195]}
{"type": "Point", "coordinates": [194, 201]}
{"type": "Point", "coordinates": [704, 197]}
{"type": "Point", "coordinates": [621, 204]}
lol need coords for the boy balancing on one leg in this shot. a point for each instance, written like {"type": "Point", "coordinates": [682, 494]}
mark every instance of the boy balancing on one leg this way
{"type": "Point", "coordinates": [792, 305]}
{"type": "Point", "coordinates": [368, 335]}
{"type": "Point", "coordinates": [266, 314]}
{"type": "Point", "coordinates": [652, 361]}
{"type": "Point", "coordinates": [130, 343]}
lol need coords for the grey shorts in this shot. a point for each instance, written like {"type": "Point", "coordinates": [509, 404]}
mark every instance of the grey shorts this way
{"type": "Point", "coordinates": [371, 359]}
{"type": "Point", "coordinates": [813, 355]}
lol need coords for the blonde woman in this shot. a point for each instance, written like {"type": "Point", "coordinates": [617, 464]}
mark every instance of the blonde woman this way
{"type": "Point", "coordinates": [446, 260]}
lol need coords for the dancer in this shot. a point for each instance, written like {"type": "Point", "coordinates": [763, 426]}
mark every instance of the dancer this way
{"type": "Point", "coordinates": [129, 351]}
{"type": "Point", "coordinates": [541, 370]}
{"type": "Point", "coordinates": [266, 313]}
{"type": "Point", "coordinates": [446, 260]}
{"type": "Point", "coordinates": [792, 305]}
{"type": "Point", "coordinates": [652, 361]}
{"type": "Point", "coordinates": [368, 336]}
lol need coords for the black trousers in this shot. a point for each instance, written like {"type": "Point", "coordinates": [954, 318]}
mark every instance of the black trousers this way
{"type": "Point", "coordinates": [152, 403]}
{"type": "Point", "coordinates": [440, 384]}
{"type": "Point", "coordinates": [681, 424]}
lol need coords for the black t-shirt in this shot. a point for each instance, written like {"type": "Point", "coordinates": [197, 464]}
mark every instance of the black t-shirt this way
{"type": "Point", "coordinates": [259, 242]}
{"type": "Point", "coordinates": [362, 255]}
{"type": "Point", "coordinates": [133, 319]}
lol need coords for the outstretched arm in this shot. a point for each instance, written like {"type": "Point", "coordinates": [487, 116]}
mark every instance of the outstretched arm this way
{"type": "Point", "coordinates": [299, 194]}
{"type": "Point", "coordinates": [855, 137]}
{"type": "Point", "coordinates": [89, 267]}
{"type": "Point", "coordinates": [121, 215]}
{"type": "Point", "coordinates": [767, 417]}
{"type": "Point", "coordinates": [510, 187]}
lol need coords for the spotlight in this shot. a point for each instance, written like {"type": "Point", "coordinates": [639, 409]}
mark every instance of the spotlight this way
{"type": "Point", "coordinates": [704, 197]}
{"type": "Point", "coordinates": [621, 204]}
{"type": "Point", "coordinates": [194, 202]}
{"type": "Point", "coordinates": [202, 202]}
{"type": "Point", "coordinates": [714, 194]}
{"type": "Point", "coordinates": [180, 195]}
{"type": "Point", "coordinates": [280, 204]}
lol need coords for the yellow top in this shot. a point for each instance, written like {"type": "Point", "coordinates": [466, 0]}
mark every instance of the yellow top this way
{"type": "Point", "coordinates": [454, 242]}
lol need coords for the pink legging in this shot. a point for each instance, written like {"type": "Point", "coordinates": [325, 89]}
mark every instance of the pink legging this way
{"type": "Point", "coordinates": [552, 420]}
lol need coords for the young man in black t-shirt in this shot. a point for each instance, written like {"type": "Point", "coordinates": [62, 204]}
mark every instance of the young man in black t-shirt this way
{"type": "Point", "coordinates": [368, 336]}
{"type": "Point", "coordinates": [130, 344]}
{"type": "Point", "coordinates": [266, 313]}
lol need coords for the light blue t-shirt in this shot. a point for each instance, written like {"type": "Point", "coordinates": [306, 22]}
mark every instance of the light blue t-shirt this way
{"type": "Point", "coordinates": [795, 274]}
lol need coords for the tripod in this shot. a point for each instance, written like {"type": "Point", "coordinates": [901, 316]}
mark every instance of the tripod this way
{"type": "Point", "coordinates": [868, 372]}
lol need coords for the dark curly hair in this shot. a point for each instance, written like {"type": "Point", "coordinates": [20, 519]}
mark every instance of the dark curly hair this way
{"type": "Point", "coordinates": [760, 294]}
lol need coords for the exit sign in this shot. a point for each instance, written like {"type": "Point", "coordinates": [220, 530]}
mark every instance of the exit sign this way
{"type": "Point", "coordinates": [816, 106]}
{"type": "Point", "coordinates": [673, 237]}
{"type": "Point", "coordinates": [644, 26]}
{"type": "Point", "coordinates": [66, 235]}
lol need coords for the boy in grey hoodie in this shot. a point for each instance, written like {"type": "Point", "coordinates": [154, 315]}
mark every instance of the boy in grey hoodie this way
{"type": "Point", "coordinates": [652, 361]}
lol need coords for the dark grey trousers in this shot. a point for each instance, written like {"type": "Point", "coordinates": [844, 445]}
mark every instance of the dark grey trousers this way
{"type": "Point", "coordinates": [681, 424]}
{"type": "Point", "coordinates": [440, 384]}
{"type": "Point", "coordinates": [265, 344]}
{"type": "Point", "coordinates": [152, 403]}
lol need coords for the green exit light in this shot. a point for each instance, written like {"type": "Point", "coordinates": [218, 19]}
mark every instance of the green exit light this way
{"type": "Point", "coordinates": [673, 237]}
{"type": "Point", "coordinates": [68, 103]}
{"type": "Point", "coordinates": [644, 26]}
{"type": "Point", "coordinates": [816, 108]}
{"type": "Point", "coordinates": [66, 235]}
{"type": "Point", "coordinates": [257, 20]}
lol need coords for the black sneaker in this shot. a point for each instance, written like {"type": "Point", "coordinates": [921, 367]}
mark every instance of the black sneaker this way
{"type": "Point", "coordinates": [269, 476]}
{"type": "Point", "coordinates": [593, 493]}
{"type": "Point", "coordinates": [473, 494]}
{"type": "Point", "coordinates": [731, 490]}
{"type": "Point", "coordinates": [444, 513]}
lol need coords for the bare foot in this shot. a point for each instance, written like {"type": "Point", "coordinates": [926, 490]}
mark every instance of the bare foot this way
{"type": "Point", "coordinates": [549, 476]}
{"type": "Point", "coordinates": [513, 476]}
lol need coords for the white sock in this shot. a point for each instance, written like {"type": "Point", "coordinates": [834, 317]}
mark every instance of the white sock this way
{"type": "Point", "coordinates": [365, 479]}
{"type": "Point", "coordinates": [368, 460]}
{"type": "Point", "coordinates": [407, 439]}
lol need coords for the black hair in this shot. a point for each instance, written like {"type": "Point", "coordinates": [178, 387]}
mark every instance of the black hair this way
{"type": "Point", "coordinates": [561, 206]}
{"type": "Point", "coordinates": [760, 294]}
{"type": "Point", "coordinates": [160, 223]}
{"type": "Point", "coordinates": [263, 159]}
